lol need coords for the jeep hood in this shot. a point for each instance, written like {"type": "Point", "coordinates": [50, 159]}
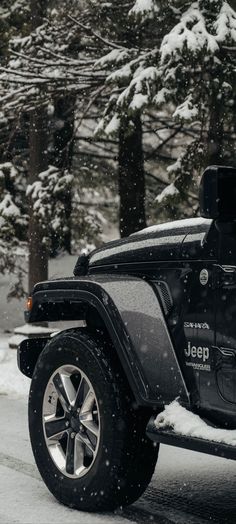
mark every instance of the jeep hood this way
{"type": "Point", "coordinates": [168, 241]}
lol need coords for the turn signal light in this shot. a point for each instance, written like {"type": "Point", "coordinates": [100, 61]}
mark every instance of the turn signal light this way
{"type": "Point", "coordinates": [29, 303]}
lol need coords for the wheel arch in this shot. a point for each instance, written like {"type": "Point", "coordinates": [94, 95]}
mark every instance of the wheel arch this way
{"type": "Point", "coordinates": [128, 311]}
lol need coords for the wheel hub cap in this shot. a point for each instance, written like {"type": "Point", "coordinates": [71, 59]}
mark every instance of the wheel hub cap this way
{"type": "Point", "coordinates": [75, 424]}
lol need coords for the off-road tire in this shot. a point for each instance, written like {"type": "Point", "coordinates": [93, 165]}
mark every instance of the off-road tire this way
{"type": "Point", "coordinates": [126, 458]}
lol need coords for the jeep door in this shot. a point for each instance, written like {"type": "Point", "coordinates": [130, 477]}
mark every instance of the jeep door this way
{"type": "Point", "coordinates": [225, 364]}
{"type": "Point", "coordinates": [210, 324]}
{"type": "Point", "coordinates": [199, 312]}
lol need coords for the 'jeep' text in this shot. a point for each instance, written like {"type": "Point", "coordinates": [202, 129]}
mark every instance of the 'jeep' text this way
{"type": "Point", "coordinates": [197, 352]}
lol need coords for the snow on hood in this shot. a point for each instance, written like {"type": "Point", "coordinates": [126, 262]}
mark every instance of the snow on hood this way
{"type": "Point", "coordinates": [186, 423]}
{"type": "Point", "coordinates": [176, 224]}
{"type": "Point", "coordinates": [159, 242]}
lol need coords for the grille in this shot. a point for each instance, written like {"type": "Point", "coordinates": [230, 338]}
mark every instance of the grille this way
{"type": "Point", "coordinates": [165, 295]}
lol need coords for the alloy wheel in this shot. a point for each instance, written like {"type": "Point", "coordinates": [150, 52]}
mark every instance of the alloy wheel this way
{"type": "Point", "coordinates": [71, 421]}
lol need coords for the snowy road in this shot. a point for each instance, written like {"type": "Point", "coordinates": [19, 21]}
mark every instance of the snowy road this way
{"type": "Point", "coordinates": [187, 487]}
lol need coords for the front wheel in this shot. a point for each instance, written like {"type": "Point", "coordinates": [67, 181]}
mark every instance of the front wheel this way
{"type": "Point", "coordinates": [87, 437]}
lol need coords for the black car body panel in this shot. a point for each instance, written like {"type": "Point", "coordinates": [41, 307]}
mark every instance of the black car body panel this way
{"type": "Point", "coordinates": [156, 243]}
{"type": "Point", "coordinates": [131, 312]}
{"type": "Point", "coordinates": [166, 297]}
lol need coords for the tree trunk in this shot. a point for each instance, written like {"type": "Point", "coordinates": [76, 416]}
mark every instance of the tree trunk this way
{"type": "Point", "coordinates": [38, 133]}
{"type": "Point", "coordinates": [38, 9]}
{"type": "Point", "coordinates": [38, 252]}
{"type": "Point", "coordinates": [215, 131]}
{"type": "Point", "coordinates": [63, 145]}
{"type": "Point", "coordinates": [131, 177]}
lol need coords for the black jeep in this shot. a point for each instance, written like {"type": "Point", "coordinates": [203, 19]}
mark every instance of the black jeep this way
{"type": "Point", "coordinates": [158, 311]}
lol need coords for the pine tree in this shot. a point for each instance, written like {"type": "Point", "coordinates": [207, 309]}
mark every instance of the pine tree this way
{"type": "Point", "coordinates": [174, 60]}
{"type": "Point", "coordinates": [33, 128]}
{"type": "Point", "coordinates": [13, 227]}
{"type": "Point", "coordinates": [116, 28]}
{"type": "Point", "coordinates": [191, 70]}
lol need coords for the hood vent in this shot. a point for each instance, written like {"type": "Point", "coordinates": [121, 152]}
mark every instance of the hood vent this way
{"type": "Point", "coordinates": [165, 295]}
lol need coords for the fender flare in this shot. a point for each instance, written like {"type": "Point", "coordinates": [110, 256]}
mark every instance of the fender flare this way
{"type": "Point", "coordinates": [131, 312]}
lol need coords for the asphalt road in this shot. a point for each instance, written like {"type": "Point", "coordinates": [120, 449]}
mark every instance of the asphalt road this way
{"type": "Point", "coordinates": [187, 487]}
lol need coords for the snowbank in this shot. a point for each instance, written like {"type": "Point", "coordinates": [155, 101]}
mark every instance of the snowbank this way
{"type": "Point", "coordinates": [12, 382]}
{"type": "Point", "coordinates": [185, 423]}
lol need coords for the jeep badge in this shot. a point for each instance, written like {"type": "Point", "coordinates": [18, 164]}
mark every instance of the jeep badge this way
{"type": "Point", "coordinates": [203, 277]}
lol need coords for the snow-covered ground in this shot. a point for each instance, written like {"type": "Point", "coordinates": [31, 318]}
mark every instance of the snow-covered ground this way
{"type": "Point", "coordinates": [24, 498]}
{"type": "Point", "coordinates": [12, 382]}
{"type": "Point", "coordinates": [187, 487]}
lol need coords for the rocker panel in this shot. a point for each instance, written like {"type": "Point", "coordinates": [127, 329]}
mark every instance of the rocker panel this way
{"type": "Point", "coordinates": [167, 436]}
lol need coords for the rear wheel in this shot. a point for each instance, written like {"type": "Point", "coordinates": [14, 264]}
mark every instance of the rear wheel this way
{"type": "Point", "coordinates": [88, 439]}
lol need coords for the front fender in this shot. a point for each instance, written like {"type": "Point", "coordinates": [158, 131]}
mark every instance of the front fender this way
{"type": "Point", "coordinates": [131, 312]}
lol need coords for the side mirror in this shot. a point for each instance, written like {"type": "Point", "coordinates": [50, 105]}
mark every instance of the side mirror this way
{"type": "Point", "coordinates": [217, 193]}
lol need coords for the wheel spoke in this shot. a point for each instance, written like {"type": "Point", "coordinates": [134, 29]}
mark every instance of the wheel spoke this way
{"type": "Point", "coordinates": [79, 456]}
{"type": "Point", "coordinates": [88, 403]}
{"type": "Point", "coordinates": [65, 390]}
{"type": "Point", "coordinates": [85, 440]}
{"type": "Point", "coordinates": [80, 393]}
{"type": "Point", "coordinates": [70, 455]}
{"type": "Point", "coordinates": [55, 427]}
{"type": "Point", "coordinates": [89, 424]}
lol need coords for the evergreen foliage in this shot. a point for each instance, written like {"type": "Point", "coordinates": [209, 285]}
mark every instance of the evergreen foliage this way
{"type": "Point", "coordinates": [168, 64]}
{"type": "Point", "coordinates": [13, 226]}
{"type": "Point", "coordinates": [190, 71]}
{"type": "Point", "coordinates": [48, 196]}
